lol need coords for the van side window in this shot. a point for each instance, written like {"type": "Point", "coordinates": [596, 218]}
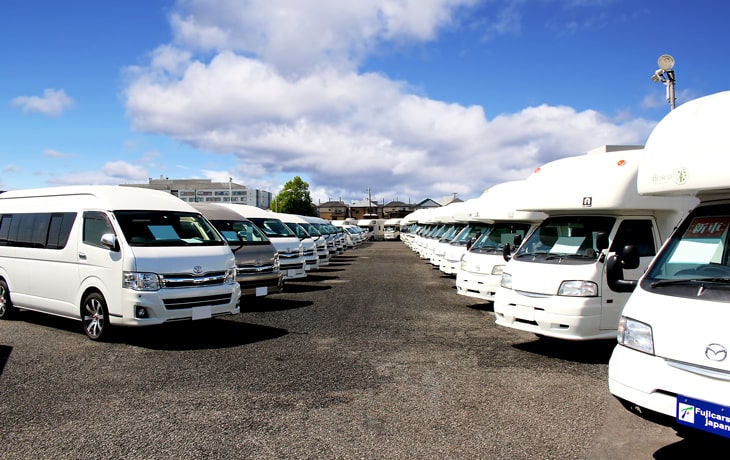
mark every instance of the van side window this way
{"type": "Point", "coordinates": [43, 230]}
{"type": "Point", "coordinates": [639, 233]}
{"type": "Point", "coordinates": [95, 225]}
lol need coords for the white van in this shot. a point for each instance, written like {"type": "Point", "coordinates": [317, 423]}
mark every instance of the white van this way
{"type": "Point", "coordinates": [391, 229]}
{"type": "Point", "coordinates": [291, 251]}
{"type": "Point", "coordinates": [316, 253]}
{"type": "Point", "coordinates": [109, 255]}
{"type": "Point", "coordinates": [449, 253]}
{"type": "Point", "coordinates": [671, 364]}
{"type": "Point", "coordinates": [480, 267]}
{"type": "Point", "coordinates": [374, 228]}
{"type": "Point", "coordinates": [328, 231]}
{"type": "Point", "coordinates": [555, 284]}
{"type": "Point", "coordinates": [453, 219]}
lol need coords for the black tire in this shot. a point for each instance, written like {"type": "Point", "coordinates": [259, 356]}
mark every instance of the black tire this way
{"type": "Point", "coordinates": [6, 305]}
{"type": "Point", "coordinates": [95, 316]}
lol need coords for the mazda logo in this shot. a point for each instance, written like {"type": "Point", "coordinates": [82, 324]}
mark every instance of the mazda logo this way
{"type": "Point", "coordinates": [197, 269]}
{"type": "Point", "coordinates": [716, 352]}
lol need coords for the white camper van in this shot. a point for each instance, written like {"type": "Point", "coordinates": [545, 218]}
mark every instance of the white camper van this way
{"type": "Point", "coordinates": [671, 364]}
{"type": "Point", "coordinates": [480, 269]}
{"type": "Point", "coordinates": [391, 229]}
{"type": "Point", "coordinates": [555, 284]}
{"type": "Point", "coordinates": [109, 255]}
{"type": "Point", "coordinates": [450, 252]}
{"type": "Point", "coordinates": [287, 244]}
{"type": "Point", "coordinates": [374, 228]}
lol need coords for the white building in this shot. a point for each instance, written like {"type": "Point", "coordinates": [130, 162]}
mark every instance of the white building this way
{"type": "Point", "coordinates": [207, 191]}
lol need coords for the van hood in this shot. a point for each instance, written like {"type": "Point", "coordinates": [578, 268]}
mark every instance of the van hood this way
{"type": "Point", "coordinates": [684, 330]}
{"type": "Point", "coordinates": [255, 254]}
{"type": "Point", "coordinates": [166, 260]}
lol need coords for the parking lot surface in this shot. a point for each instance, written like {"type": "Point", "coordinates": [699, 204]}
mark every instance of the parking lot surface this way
{"type": "Point", "coordinates": [374, 356]}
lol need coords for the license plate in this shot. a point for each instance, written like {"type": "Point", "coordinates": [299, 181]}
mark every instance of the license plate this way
{"type": "Point", "coordinates": [261, 290]}
{"type": "Point", "coordinates": [525, 313]}
{"type": "Point", "coordinates": [202, 312]}
{"type": "Point", "coordinates": [703, 415]}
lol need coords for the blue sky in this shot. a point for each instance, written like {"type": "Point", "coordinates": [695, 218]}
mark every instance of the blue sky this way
{"type": "Point", "coordinates": [411, 99]}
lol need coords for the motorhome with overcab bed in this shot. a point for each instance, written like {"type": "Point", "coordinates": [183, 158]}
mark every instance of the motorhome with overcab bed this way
{"type": "Point", "coordinates": [391, 229]}
{"type": "Point", "coordinates": [503, 229]}
{"type": "Point", "coordinates": [555, 284]}
{"type": "Point", "coordinates": [671, 364]}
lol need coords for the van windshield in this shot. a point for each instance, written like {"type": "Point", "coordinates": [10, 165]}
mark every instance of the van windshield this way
{"type": "Point", "coordinates": [562, 238]}
{"type": "Point", "coordinates": [493, 237]}
{"type": "Point", "coordinates": [699, 251]}
{"type": "Point", "coordinates": [166, 228]}
{"type": "Point", "coordinates": [241, 232]}
{"type": "Point", "coordinates": [273, 228]}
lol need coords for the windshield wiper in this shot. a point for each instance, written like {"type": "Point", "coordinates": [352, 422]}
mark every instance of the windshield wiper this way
{"type": "Point", "coordinates": [661, 283]}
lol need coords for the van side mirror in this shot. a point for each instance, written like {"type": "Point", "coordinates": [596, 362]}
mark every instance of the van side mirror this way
{"type": "Point", "coordinates": [109, 241]}
{"type": "Point", "coordinates": [601, 241]}
{"type": "Point", "coordinates": [615, 266]}
{"type": "Point", "coordinates": [507, 252]}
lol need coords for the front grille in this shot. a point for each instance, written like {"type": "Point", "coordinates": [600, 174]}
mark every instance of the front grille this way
{"type": "Point", "coordinates": [190, 302]}
{"type": "Point", "coordinates": [288, 255]}
{"type": "Point", "coordinates": [184, 280]}
{"type": "Point", "coordinates": [297, 265]}
{"type": "Point", "coordinates": [253, 269]}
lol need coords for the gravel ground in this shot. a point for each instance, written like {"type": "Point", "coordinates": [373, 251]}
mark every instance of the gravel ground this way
{"type": "Point", "coordinates": [374, 356]}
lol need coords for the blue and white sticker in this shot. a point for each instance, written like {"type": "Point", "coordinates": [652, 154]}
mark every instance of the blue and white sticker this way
{"type": "Point", "coordinates": [703, 415]}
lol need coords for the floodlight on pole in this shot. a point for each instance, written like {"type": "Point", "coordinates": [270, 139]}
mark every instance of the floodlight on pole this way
{"type": "Point", "coordinates": [665, 75]}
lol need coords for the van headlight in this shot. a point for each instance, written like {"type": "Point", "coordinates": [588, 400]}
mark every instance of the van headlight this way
{"type": "Point", "coordinates": [636, 335]}
{"type": "Point", "coordinates": [506, 281]}
{"type": "Point", "coordinates": [497, 270]}
{"type": "Point", "coordinates": [141, 281]}
{"type": "Point", "coordinates": [578, 289]}
{"type": "Point", "coordinates": [276, 262]}
{"type": "Point", "coordinates": [231, 275]}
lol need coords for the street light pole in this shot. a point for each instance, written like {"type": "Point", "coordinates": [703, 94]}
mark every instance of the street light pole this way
{"type": "Point", "coordinates": [665, 75]}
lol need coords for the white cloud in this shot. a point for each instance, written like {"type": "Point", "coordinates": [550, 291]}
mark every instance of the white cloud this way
{"type": "Point", "coordinates": [11, 168]}
{"type": "Point", "coordinates": [125, 171]}
{"type": "Point", "coordinates": [111, 173]}
{"type": "Point", "coordinates": [297, 36]}
{"type": "Point", "coordinates": [52, 103]}
{"type": "Point", "coordinates": [281, 93]}
{"type": "Point", "coordinates": [56, 154]}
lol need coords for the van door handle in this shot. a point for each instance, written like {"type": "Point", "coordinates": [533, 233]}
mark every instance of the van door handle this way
{"type": "Point", "coordinates": [82, 255]}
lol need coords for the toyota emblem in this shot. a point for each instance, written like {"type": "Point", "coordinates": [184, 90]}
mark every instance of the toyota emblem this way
{"type": "Point", "coordinates": [197, 269]}
{"type": "Point", "coordinates": [716, 352]}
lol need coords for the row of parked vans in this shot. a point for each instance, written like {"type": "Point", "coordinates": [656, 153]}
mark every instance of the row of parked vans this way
{"type": "Point", "coordinates": [128, 256]}
{"type": "Point", "coordinates": [625, 242]}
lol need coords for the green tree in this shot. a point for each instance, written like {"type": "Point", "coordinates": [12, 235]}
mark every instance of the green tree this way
{"type": "Point", "coordinates": [294, 198]}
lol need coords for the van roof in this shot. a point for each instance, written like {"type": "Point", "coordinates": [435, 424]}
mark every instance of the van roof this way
{"type": "Point", "coordinates": [108, 197]}
{"type": "Point", "coordinates": [603, 181]}
{"type": "Point", "coordinates": [688, 152]}
{"type": "Point", "coordinates": [499, 203]}
{"type": "Point", "coordinates": [214, 211]}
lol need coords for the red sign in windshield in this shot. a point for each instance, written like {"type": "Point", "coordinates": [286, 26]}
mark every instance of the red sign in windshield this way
{"type": "Point", "coordinates": [707, 227]}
